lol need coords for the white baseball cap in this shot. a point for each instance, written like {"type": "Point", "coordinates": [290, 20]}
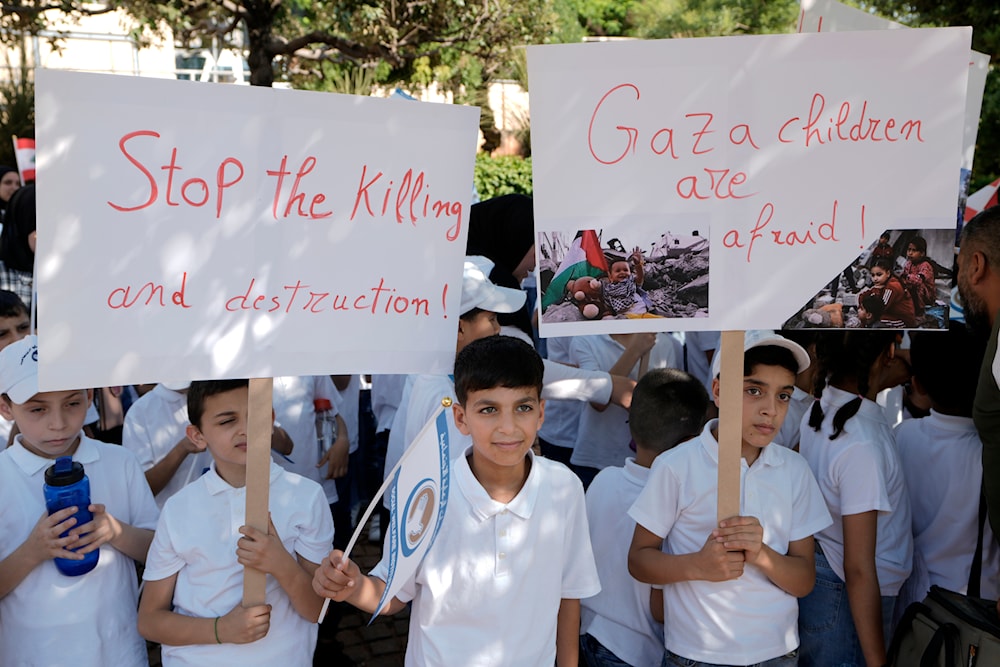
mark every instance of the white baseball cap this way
{"type": "Point", "coordinates": [479, 292]}
{"type": "Point", "coordinates": [19, 370]}
{"type": "Point", "coordinates": [761, 337]}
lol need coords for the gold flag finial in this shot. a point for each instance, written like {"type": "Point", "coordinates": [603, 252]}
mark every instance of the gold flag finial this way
{"type": "Point", "coordinates": [446, 401]}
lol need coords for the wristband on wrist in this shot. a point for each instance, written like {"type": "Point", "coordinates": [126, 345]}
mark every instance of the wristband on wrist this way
{"type": "Point", "coordinates": [217, 640]}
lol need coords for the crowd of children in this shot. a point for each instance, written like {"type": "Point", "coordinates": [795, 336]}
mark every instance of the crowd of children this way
{"type": "Point", "coordinates": [618, 558]}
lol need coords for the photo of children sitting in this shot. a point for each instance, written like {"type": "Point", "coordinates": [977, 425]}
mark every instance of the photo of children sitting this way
{"type": "Point", "coordinates": [895, 284]}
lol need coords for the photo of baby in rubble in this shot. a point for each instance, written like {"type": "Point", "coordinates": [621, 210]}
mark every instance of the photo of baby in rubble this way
{"type": "Point", "coordinates": [591, 275]}
{"type": "Point", "coordinates": [902, 281]}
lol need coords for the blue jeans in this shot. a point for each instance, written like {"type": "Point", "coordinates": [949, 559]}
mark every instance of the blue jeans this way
{"type": "Point", "coordinates": [787, 660]}
{"type": "Point", "coordinates": [827, 637]}
{"type": "Point", "coordinates": [594, 654]}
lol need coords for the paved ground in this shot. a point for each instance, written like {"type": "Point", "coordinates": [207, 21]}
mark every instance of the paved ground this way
{"type": "Point", "coordinates": [356, 644]}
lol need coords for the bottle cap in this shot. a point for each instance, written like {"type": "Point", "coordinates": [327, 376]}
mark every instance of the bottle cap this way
{"type": "Point", "coordinates": [63, 472]}
{"type": "Point", "coordinates": [322, 404]}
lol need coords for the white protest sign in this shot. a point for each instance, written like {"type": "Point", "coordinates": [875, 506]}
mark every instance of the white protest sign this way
{"type": "Point", "coordinates": [833, 16]}
{"type": "Point", "coordinates": [790, 154]}
{"type": "Point", "coordinates": [200, 231]}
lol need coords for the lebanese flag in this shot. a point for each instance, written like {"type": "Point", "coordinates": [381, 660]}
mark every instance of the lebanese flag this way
{"type": "Point", "coordinates": [980, 200]}
{"type": "Point", "coordinates": [24, 152]}
{"type": "Point", "coordinates": [584, 258]}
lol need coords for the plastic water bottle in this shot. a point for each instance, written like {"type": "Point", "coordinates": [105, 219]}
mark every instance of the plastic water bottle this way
{"type": "Point", "coordinates": [326, 425]}
{"type": "Point", "coordinates": [66, 485]}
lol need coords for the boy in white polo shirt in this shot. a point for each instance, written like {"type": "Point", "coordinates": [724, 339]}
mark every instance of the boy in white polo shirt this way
{"type": "Point", "coordinates": [47, 618]}
{"type": "Point", "coordinates": [730, 586]}
{"type": "Point", "coordinates": [617, 627]}
{"type": "Point", "coordinates": [502, 583]}
{"type": "Point", "coordinates": [194, 574]}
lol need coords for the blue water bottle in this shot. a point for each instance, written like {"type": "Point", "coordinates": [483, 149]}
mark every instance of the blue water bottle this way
{"type": "Point", "coordinates": [66, 485]}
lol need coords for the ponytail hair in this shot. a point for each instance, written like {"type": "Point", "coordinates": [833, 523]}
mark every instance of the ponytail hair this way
{"type": "Point", "coordinates": [844, 356]}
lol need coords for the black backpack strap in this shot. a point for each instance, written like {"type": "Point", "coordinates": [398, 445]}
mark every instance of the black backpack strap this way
{"type": "Point", "coordinates": [945, 638]}
{"type": "Point", "coordinates": [976, 571]}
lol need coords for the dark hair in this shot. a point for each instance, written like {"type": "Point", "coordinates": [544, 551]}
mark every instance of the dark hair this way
{"type": "Point", "coordinates": [18, 223]}
{"type": "Point", "coordinates": [982, 234]}
{"type": "Point", "coordinates": [11, 304]}
{"type": "Point", "coordinates": [884, 235]}
{"type": "Point", "coordinates": [496, 361]}
{"type": "Point", "coordinates": [845, 355]}
{"type": "Point", "coordinates": [202, 389]}
{"type": "Point", "coordinates": [918, 242]}
{"type": "Point", "coordinates": [769, 355]}
{"type": "Point", "coordinates": [885, 264]}
{"type": "Point", "coordinates": [947, 365]}
{"type": "Point", "coordinates": [668, 407]}
{"type": "Point", "coordinates": [874, 305]}
{"type": "Point", "coordinates": [470, 315]}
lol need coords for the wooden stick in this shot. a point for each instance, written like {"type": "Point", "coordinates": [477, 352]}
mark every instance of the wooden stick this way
{"type": "Point", "coordinates": [730, 423]}
{"type": "Point", "coordinates": [644, 364]}
{"type": "Point", "coordinates": [260, 422]}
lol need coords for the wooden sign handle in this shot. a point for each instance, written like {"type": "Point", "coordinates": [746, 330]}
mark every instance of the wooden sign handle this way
{"type": "Point", "coordinates": [730, 422]}
{"type": "Point", "coordinates": [260, 422]}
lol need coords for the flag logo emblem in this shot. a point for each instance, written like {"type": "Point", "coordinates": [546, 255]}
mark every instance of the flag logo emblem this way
{"type": "Point", "coordinates": [419, 513]}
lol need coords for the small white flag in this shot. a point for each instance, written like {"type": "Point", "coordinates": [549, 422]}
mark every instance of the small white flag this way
{"type": "Point", "coordinates": [417, 502]}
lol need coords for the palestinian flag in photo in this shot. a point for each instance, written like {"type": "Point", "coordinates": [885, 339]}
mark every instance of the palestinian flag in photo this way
{"type": "Point", "coordinates": [584, 258]}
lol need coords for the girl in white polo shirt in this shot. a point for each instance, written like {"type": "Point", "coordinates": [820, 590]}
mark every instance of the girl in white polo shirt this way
{"type": "Point", "coordinates": [862, 559]}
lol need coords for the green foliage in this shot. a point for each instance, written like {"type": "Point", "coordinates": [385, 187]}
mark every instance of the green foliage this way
{"type": "Point", "coordinates": [17, 111]}
{"type": "Point", "coordinates": [659, 19]}
{"type": "Point", "coordinates": [502, 176]}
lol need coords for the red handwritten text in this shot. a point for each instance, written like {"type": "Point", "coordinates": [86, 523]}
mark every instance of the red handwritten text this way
{"type": "Point", "coordinates": [379, 300]}
{"type": "Point", "coordinates": [825, 232]}
{"type": "Point", "coordinates": [194, 191]}
{"type": "Point", "coordinates": [408, 200]}
{"type": "Point", "coordinates": [296, 198]}
{"type": "Point", "coordinates": [848, 125]}
{"type": "Point", "coordinates": [662, 141]}
{"type": "Point", "coordinates": [127, 297]}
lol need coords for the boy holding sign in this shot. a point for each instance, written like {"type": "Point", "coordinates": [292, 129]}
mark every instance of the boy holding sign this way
{"type": "Point", "coordinates": [194, 573]}
{"type": "Point", "coordinates": [501, 584]}
{"type": "Point", "coordinates": [730, 586]}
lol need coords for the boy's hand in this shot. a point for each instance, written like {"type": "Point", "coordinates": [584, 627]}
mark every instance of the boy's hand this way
{"type": "Point", "coordinates": [245, 625]}
{"type": "Point", "coordinates": [336, 577]}
{"type": "Point", "coordinates": [103, 529]}
{"type": "Point", "coordinates": [262, 552]}
{"type": "Point", "coordinates": [742, 533]}
{"type": "Point", "coordinates": [336, 458]}
{"type": "Point", "coordinates": [641, 343]}
{"type": "Point", "coordinates": [44, 541]}
{"type": "Point", "coordinates": [716, 563]}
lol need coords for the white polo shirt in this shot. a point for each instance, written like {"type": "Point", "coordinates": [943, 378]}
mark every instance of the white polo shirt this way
{"type": "Point", "coordinates": [603, 437]}
{"type": "Point", "coordinates": [85, 621]}
{"type": "Point", "coordinates": [942, 459]}
{"type": "Point", "coordinates": [293, 408]}
{"type": "Point", "coordinates": [488, 590]}
{"type": "Point", "coordinates": [562, 417]}
{"type": "Point", "coordinates": [749, 619]}
{"type": "Point", "coordinates": [153, 425]}
{"type": "Point", "coordinates": [196, 539]}
{"type": "Point", "coordinates": [619, 615]}
{"type": "Point", "coordinates": [859, 472]}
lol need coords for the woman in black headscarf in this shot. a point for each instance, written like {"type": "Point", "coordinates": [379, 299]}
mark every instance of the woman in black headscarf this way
{"type": "Point", "coordinates": [10, 181]}
{"type": "Point", "coordinates": [17, 244]}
